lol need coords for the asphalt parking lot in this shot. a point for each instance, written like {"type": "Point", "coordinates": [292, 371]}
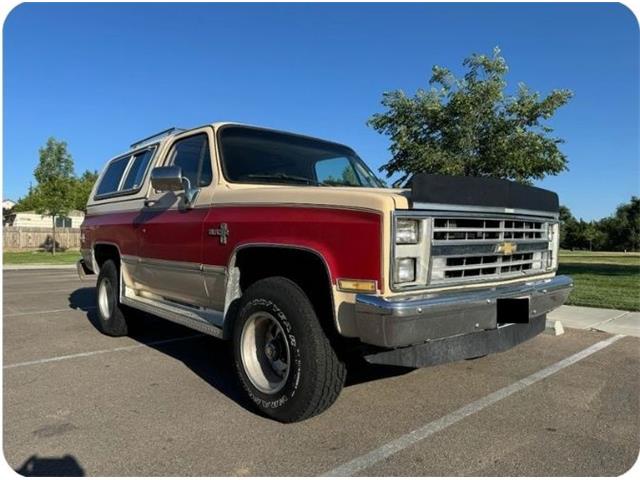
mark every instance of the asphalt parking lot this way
{"type": "Point", "coordinates": [164, 401]}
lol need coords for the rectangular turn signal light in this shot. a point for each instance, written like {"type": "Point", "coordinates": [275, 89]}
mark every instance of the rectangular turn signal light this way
{"type": "Point", "coordinates": [357, 286]}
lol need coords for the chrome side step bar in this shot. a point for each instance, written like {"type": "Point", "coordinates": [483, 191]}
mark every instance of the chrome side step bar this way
{"type": "Point", "coordinates": [188, 317]}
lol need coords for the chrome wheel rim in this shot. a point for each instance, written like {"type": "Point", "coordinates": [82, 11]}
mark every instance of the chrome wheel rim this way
{"type": "Point", "coordinates": [265, 353]}
{"type": "Point", "coordinates": [105, 293]}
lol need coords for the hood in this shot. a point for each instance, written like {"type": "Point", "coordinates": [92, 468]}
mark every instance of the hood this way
{"type": "Point", "coordinates": [380, 199]}
{"type": "Point", "coordinates": [427, 191]}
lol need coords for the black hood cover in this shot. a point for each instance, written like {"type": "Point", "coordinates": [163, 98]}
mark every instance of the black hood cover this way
{"type": "Point", "coordinates": [481, 192]}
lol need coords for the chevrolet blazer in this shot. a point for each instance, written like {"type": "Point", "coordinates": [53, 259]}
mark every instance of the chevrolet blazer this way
{"type": "Point", "coordinates": [292, 249]}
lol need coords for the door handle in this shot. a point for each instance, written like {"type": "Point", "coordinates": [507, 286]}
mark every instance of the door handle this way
{"type": "Point", "coordinates": [148, 202]}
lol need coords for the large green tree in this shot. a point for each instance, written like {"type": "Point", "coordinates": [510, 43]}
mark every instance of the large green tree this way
{"type": "Point", "coordinates": [471, 126]}
{"type": "Point", "coordinates": [54, 194]}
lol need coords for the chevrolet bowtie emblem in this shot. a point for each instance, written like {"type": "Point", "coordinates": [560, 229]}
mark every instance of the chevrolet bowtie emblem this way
{"type": "Point", "coordinates": [506, 248]}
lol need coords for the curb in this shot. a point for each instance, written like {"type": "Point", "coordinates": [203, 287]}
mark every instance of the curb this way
{"type": "Point", "coordinates": [38, 266]}
{"type": "Point", "coordinates": [607, 320]}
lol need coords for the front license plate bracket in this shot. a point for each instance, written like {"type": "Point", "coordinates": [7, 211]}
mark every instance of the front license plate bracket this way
{"type": "Point", "coordinates": [513, 310]}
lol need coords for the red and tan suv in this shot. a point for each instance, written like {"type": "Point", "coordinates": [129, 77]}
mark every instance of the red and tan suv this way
{"type": "Point", "coordinates": [290, 247]}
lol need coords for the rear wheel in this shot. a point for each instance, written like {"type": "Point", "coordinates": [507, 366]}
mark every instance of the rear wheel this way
{"type": "Point", "coordinates": [284, 360]}
{"type": "Point", "coordinates": [111, 315]}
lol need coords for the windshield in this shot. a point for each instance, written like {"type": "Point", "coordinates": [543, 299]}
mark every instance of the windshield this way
{"type": "Point", "coordinates": [251, 155]}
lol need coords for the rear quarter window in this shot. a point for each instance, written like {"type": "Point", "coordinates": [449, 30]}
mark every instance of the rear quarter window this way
{"type": "Point", "coordinates": [111, 178]}
{"type": "Point", "coordinates": [133, 167]}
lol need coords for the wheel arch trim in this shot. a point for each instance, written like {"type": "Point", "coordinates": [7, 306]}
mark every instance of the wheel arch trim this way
{"type": "Point", "coordinates": [105, 243]}
{"type": "Point", "coordinates": [233, 291]}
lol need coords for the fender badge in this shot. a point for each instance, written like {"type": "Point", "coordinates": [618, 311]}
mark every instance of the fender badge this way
{"type": "Point", "coordinates": [222, 232]}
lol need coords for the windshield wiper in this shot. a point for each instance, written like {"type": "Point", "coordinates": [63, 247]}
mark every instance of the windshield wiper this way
{"type": "Point", "coordinates": [282, 176]}
{"type": "Point", "coordinates": [336, 183]}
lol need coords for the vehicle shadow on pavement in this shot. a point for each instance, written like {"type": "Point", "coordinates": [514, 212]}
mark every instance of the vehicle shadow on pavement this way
{"type": "Point", "coordinates": [359, 371]}
{"type": "Point", "coordinates": [209, 358]}
{"type": "Point", "coordinates": [66, 466]}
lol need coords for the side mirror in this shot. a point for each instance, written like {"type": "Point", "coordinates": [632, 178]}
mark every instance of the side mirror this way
{"type": "Point", "coordinates": [167, 179]}
{"type": "Point", "coordinates": [170, 179]}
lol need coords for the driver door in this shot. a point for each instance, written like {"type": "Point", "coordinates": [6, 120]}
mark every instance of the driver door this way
{"type": "Point", "coordinates": [171, 232]}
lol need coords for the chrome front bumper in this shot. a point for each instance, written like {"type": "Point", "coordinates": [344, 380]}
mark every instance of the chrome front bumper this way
{"type": "Point", "coordinates": [417, 319]}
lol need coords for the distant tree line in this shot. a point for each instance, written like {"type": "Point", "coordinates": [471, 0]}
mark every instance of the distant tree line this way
{"type": "Point", "coordinates": [619, 232]}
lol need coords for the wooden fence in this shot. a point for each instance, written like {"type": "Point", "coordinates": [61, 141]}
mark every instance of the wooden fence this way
{"type": "Point", "coordinates": [38, 238]}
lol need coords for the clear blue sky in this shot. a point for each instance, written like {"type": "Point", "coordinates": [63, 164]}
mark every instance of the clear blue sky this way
{"type": "Point", "coordinates": [101, 76]}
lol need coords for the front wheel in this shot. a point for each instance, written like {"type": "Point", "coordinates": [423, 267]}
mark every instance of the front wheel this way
{"type": "Point", "coordinates": [284, 360]}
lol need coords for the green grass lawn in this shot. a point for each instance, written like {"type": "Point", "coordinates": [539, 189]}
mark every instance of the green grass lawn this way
{"type": "Point", "coordinates": [68, 257]}
{"type": "Point", "coordinates": [603, 279]}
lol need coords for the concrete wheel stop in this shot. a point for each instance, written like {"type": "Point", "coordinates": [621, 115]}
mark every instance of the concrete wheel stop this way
{"type": "Point", "coordinates": [554, 327]}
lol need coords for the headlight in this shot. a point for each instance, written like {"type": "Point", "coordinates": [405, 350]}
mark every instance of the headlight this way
{"type": "Point", "coordinates": [405, 270]}
{"type": "Point", "coordinates": [406, 231]}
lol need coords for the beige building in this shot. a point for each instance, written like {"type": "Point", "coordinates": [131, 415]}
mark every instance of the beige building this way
{"type": "Point", "coordinates": [32, 219]}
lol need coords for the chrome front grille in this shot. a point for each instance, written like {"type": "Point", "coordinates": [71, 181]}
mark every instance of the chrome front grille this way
{"type": "Point", "coordinates": [451, 229]}
{"type": "Point", "coordinates": [477, 249]}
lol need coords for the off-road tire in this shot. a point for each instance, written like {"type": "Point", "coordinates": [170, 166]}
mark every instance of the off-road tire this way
{"type": "Point", "coordinates": [113, 321]}
{"type": "Point", "coordinates": [316, 375]}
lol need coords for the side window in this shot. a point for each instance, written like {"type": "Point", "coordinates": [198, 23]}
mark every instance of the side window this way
{"type": "Point", "coordinates": [192, 154]}
{"type": "Point", "coordinates": [111, 178]}
{"type": "Point", "coordinates": [135, 177]}
{"type": "Point", "coordinates": [336, 171]}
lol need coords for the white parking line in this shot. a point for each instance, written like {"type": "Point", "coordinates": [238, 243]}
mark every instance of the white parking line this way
{"type": "Point", "coordinates": [38, 292]}
{"type": "Point", "coordinates": [39, 275]}
{"type": "Point", "coordinates": [395, 446]}
{"type": "Point", "coordinates": [43, 282]}
{"type": "Point", "coordinates": [42, 312]}
{"type": "Point", "coordinates": [98, 352]}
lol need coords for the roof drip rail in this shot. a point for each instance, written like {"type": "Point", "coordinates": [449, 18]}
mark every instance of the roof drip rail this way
{"type": "Point", "coordinates": [157, 136]}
